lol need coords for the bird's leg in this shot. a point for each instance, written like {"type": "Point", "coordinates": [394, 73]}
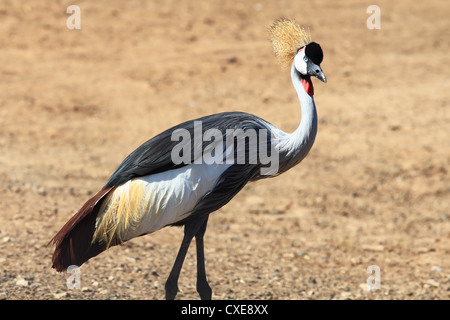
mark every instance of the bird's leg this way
{"type": "Point", "coordinates": [172, 281]}
{"type": "Point", "coordinates": [203, 288]}
{"type": "Point", "coordinates": [190, 230]}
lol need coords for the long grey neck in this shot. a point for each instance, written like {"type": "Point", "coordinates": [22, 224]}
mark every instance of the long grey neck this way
{"type": "Point", "coordinates": [296, 145]}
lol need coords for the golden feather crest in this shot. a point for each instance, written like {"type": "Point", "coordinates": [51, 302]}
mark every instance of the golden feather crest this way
{"type": "Point", "coordinates": [287, 37]}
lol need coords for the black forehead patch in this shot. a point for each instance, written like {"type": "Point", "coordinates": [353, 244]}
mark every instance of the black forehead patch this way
{"type": "Point", "coordinates": [314, 52]}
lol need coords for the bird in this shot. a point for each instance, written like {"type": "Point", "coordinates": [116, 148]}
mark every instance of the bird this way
{"type": "Point", "coordinates": [168, 180]}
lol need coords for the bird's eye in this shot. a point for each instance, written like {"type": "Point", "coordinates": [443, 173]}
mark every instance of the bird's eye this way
{"type": "Point", "coordinates": [305, 58]}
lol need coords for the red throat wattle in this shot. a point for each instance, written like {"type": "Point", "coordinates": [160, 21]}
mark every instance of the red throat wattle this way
{"type": "Point", "coordinates": [308, 86]}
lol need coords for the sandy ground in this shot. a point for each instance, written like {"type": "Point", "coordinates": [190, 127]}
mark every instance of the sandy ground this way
{"type": "Point", "coordinates": [373, 191]}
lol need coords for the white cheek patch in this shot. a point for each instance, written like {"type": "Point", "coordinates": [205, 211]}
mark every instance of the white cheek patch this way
{"type": "Point", "coordinates": [299, 63]}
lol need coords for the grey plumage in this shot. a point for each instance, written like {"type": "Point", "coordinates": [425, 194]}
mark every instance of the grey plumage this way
{"type": "Point", "coordinates": [155, 155]}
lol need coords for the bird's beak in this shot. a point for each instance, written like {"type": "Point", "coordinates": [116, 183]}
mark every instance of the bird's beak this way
{"type": "Point", "coordinates": [320, 75]}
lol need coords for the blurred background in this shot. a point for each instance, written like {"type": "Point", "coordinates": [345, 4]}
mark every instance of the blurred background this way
{"type": "Point", "coordinates": [373, 191]}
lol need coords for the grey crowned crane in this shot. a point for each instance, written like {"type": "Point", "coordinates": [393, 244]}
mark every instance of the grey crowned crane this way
{"type": "Point", "coordinates": [168, 181]}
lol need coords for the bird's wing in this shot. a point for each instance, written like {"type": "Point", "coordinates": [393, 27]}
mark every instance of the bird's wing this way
{"type": "Point", "coordinates": [154, 156]}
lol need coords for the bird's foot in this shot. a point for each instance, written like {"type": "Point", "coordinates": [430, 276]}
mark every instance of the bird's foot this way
{"type": "Point", "coordinates": [171, 290]}
{"type": "Point", "coordinates": [204, 290]}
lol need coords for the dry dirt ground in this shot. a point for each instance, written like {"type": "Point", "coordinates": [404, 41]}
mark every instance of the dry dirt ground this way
{"type": "Point", "coordinates": [373, 191]}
